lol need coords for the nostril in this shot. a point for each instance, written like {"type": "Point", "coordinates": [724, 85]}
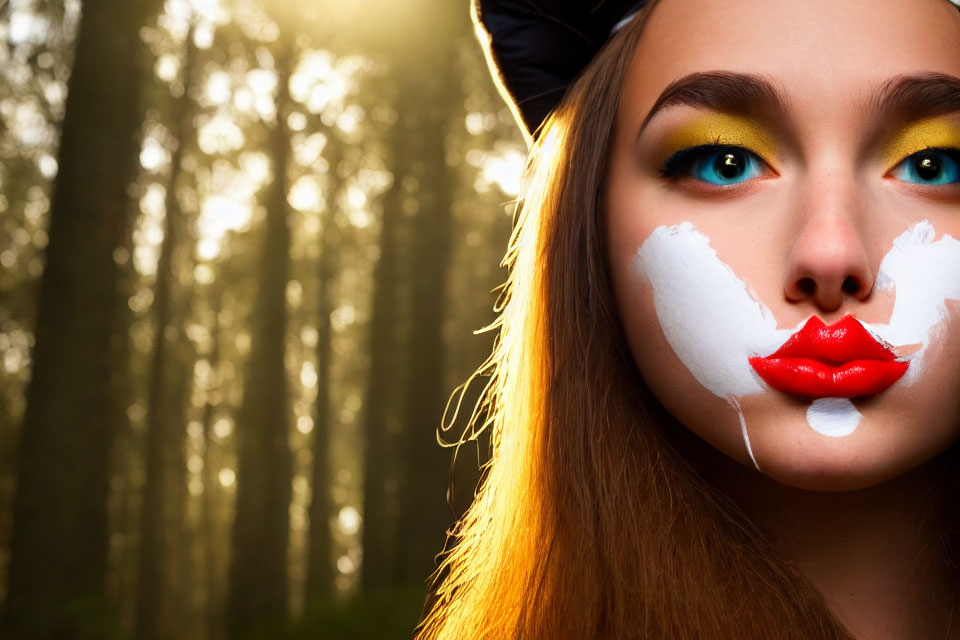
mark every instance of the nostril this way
{"type": "Point", "coordinates": [851, 285]}
{"type": "Point", "coordinates": [807, 286]}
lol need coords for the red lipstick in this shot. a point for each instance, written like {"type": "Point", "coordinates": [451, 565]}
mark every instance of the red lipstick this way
{"type": "Point", "coordinates": [838, 361]}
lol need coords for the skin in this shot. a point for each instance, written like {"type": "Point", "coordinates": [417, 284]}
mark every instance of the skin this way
{"type": "Point", "coordinates": [825, 209]}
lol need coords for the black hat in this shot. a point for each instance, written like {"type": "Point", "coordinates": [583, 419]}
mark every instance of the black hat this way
{"type": "Point", "coordinates": [537, 48]}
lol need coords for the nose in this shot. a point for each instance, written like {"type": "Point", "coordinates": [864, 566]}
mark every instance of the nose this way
{"type": "Point", "coordinates": [828, 261]}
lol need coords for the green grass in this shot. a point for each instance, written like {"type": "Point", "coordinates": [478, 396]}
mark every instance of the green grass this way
{"type": "Point", "coordinates": [379, 615]}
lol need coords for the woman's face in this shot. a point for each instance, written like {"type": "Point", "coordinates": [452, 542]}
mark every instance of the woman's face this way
{"type": "Point", "coordinates": [780, 211]}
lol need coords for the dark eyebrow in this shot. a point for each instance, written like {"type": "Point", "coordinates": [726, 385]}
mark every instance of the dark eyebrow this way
{"type": "Point", "coordinates": [913, 97]}
{"type": "Point", "coordinates": [721, 91]}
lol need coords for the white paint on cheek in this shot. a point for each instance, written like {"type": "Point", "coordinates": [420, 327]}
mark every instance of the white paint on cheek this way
{"type": "Point", "coordinates": [834, 417]}
{"type": "Point", "coordinates": [925, 274]}
{"type": "Point", "coordinates": [707, 315]}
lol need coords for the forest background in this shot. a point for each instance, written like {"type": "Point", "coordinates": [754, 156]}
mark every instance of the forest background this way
{"type": "Point", "coordinates": [245, 247]}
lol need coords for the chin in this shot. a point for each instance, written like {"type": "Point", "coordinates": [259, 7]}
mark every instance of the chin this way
{"type": "Point", "coordinates": [835, 475]}
{"type": "Point", "coordinates": [882, 448]}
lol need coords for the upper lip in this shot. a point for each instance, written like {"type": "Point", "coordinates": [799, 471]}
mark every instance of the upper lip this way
{"type": "Point", "coordinates": [844, 341]}
{"type": "Point", "coordinates": [840, 360]}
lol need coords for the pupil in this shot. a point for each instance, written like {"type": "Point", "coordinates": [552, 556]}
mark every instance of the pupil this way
{"type": "Point", "coordinates": [729, 165]}
{"type": "Point", "coordinates": [928, 168]}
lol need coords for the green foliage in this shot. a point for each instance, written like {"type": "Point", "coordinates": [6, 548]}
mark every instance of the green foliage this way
{"type": "Point", "coordinates": [384, 614]}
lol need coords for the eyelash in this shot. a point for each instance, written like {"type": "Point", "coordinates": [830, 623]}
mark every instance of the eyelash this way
{"type": "Point", "coordinates": [683, 158]}
{"type": "Point", "coordinates": [951, 153]}
{"type": "Point", "coordinates": [682, 162]}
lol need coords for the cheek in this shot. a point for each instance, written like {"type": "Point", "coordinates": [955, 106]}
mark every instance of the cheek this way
{"type": "Point", "coordinates": [634, 300]}
{"type": "Point", "coordinates": [669, 379]}
{"type": "Point", "coordinates": [705, 311]}
{"type": "Point", "coordinates": [924, 275]}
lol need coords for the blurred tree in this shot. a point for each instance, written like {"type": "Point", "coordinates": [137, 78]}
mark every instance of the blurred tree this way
{"type": "Point", "coordinates": [162, 504]}
{"type": "Point", "coordinates": [59, 543]}
{"type": "Point", "coordinates": [380, 566]}
{"type": "Point", "coordinates": [405, 514]}
{"type": "Point", "coordinates": [258, 588]}
{"type": "Point", "coordinates": [209, 525]}
{"type": "Point", "coordinates": [319, 569]}
{"type": "Point", "coordinates": [34, 68]}
{"type": "Point", "coordinates": [425, 514]}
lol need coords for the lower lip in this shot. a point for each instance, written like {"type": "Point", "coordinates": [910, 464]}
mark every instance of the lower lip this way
{"type": "Point", "coordinates": [815, 379]}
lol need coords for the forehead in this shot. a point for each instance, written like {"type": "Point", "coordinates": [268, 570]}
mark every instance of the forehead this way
{"type": "Point", "coordinates": [823, 54]}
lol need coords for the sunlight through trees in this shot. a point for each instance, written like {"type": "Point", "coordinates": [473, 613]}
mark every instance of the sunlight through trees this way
{"type": "Point", "coordinates": [244, 248]}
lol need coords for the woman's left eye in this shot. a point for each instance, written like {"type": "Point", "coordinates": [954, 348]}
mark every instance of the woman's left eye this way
{"type": "Point", "coordinates": [715, 164]}
{"type": "Point", "coordinates": [933, 166]}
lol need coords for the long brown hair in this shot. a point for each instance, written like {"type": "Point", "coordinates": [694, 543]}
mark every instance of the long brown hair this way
{"type": "Point", "coordinates": [588, 523]}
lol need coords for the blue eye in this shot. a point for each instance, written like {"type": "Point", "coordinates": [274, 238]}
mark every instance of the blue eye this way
{"type": "Point", "coordinates": [931, 166]}
{"type": "Point", "coordinates": [714, 164]}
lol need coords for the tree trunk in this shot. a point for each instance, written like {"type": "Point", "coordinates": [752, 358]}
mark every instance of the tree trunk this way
{"type": "Point", "coordinates": [380, 508]}
{"type": "Point", "coordinates": [59, 541]}
{"type": "Point", "coordinates": [319, 572]}
{"type": "Point", "coordinates": [210, 523]}
{"type": "Point", "coordinates": [258, 584]}
{"type": "Point", "coordinates": [425, 514]}
{"type": "Point", "coordinates": [164, 440]}
{"type": "Point", "coordinates": [405, 513]}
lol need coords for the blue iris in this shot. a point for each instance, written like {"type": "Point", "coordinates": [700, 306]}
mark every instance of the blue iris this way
{"type": "Point", "coordinates": [715, 164]}
{"type": "Point", "coordinates": [930, 166]}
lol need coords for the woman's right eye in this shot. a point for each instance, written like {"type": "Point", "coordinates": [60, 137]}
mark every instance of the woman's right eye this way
{"type": "Point", "coordinates": [719, 165]}
{"type": "Point", "coordinates": [933, 166]}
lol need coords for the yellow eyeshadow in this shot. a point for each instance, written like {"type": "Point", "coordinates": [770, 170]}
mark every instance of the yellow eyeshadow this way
{"type": "Point", "coordinates": [933, 132]}
{"type": "Point", "coordinates": [721, 129]}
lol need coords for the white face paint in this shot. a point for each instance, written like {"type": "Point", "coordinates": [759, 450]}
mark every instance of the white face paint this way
{"type": "Point", "coordinates": [714, 324]}
{"type": "Point", "coordinates": [925, 274]}
{"type": "Point", "coordinates": [834, 417]}
{"type": "Point", "coordinates": [706, 313]}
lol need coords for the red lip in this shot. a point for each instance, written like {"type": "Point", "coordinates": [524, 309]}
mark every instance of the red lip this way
{"type": "Point", "coordinates": [838, 361]}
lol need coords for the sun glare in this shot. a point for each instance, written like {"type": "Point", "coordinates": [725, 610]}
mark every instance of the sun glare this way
{"type": "Point", "coordinates": [321, 82]}
{"type": "Point", "coordinates": [349, 520]}
{"type": "Point", "coordinates": [223, 427]}
{"type": "Point", "coordinates": [167, 67]}
{"type": "Point", "coordinates": [209, 9]}
{"type": "Point", "coordinates": [262, 81]}
{"type": "Point", "coordinates": [218, 88]}
{"type": "Point", "coordinates": [227, 477]}
{"type": "Point", "coordinates": [505, 170]}
{"type": "Point", "coordinates": [309, 150]}
{"type": "Point", "coordinates": [305, 424]}
{"type": "Point", "coordinates": [153, 155]}
{"type": "Point", "coordinates": [306, 194]}
{"type": "Point", "coordinates": [27, 26]}
{"type": "Point", "coordinates": [220, 214]}
{"type": "Point", "coordinates": [229, 200]}
{"type": "Point", "coordinates": [502, 168]}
